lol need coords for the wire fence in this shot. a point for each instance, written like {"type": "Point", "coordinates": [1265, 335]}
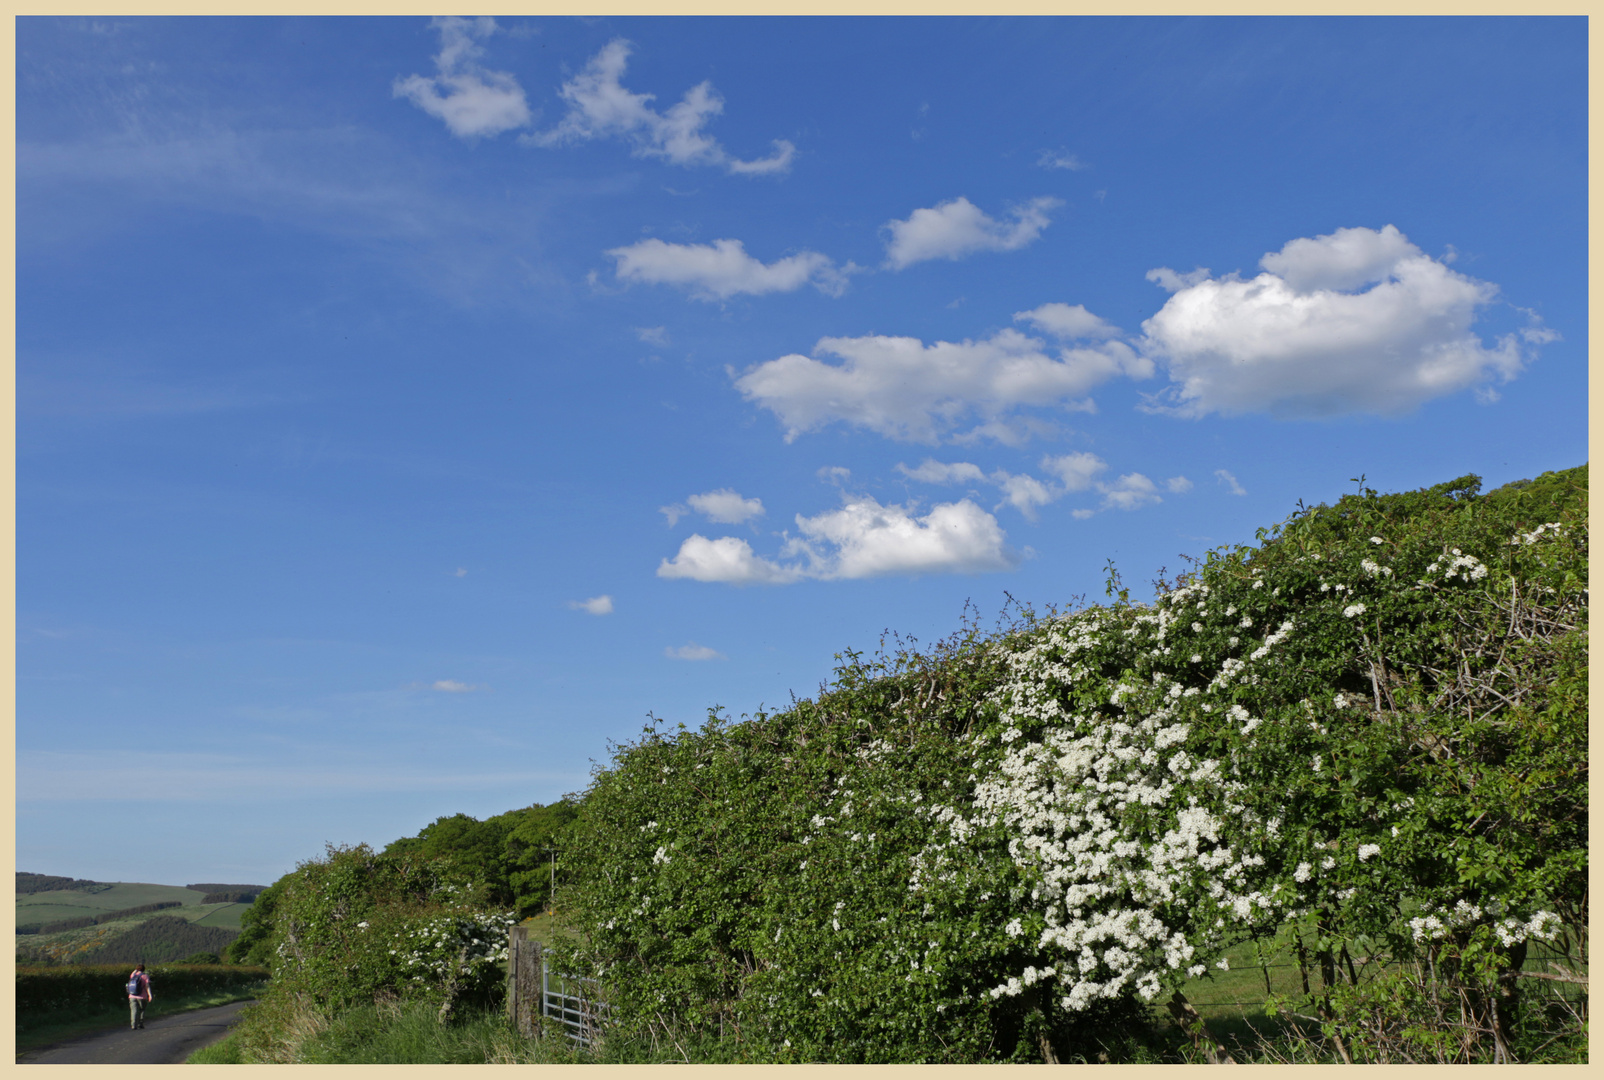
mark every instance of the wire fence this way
{"type": "Point", "coordinates": [1250, 982]}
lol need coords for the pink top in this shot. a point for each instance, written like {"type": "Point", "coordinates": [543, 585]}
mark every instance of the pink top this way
{"type": "Point", "coordinates": [144, 985]}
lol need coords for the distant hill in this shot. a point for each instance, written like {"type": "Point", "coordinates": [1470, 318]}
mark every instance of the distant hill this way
{"type": "Point", "coordinates": [75, 920]}
{"type": "Point", "coordinates": [32, 883]}
{"type": "Point", "coordinates": [159, 940]}
{"type": "Point", "coordinates": [212, 887]}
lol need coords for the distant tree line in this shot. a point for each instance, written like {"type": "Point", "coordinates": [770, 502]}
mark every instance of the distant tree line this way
{"type": "Point", "coordinates": [231, 897]}
{"type": "Point", "coordinates": [214, 887]}
{"type": "Point", "coordinates": [35, 883]}
{"type": "Point", "coordinates": [95, 920]}
{"type": "Point", "coordinates": [515, 856]}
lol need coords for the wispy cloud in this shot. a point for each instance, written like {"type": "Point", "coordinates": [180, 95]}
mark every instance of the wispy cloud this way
{"type": "Point", "coordinates": [1023, 493]}
{"type": "Point", "coordinates": [600, 107]}
{"type": "Point", "coordinates": [95, 776]}
{"type": "Point", "coordinates": [1060, 159]}
{"type": "Point", "coordinates": [384, 203]}
{"type": "Point", "coordinates": [452, 686]}
{"type": "Point", "coordinates": [1230, 482]}
{"type": "Point", "coordinates": [693, 651]}
{"type": "Point", "coordinates": [1073, 472]}
{"type": "Point", "coordinates": [596, 605]}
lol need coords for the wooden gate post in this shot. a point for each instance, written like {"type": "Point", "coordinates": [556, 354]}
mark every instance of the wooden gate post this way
{"type": "Point", "coordinates": [524, 962]}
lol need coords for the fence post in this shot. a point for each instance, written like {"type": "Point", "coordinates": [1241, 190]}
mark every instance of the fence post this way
{"type": "Point", "coordinates": [524, 964]}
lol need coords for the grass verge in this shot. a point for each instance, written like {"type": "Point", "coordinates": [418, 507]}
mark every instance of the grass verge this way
{"type": "Point", "coordinates": [225, 1051]}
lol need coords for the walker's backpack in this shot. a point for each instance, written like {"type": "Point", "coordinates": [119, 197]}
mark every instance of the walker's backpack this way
{"type": "Point", "coordinates": [134, 987]}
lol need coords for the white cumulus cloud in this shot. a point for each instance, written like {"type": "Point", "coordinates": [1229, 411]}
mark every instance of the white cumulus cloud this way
{"type": "Point", "coordinates": [1358, 321]}
{"type": "Point", "coordinates": [600, 107]}
{"type": "Point", "coordinates": [724, 506]}
{"type": "Point", "coordinates": [1024, 493]}
{"type": "Point", "coordinates": [693, 651]}
{"type": "Point", "coordinates": [723, 269]}
{"type": "Point", "coordinates": [596, 605]}
{"type": "Point", "coordinates": [957, 227]}
{"type": "Point", "coordinates": [1070, 322]}
{"type": "Point", "coordinates": [1178, 485]}
{"type": "Point", "coordinates": [904, 389]}
{"type": "Point", "coordinates": [728, 559]}
{"type": "Point", "coordinates": [1130, 492]}
{"type": "Point", "coordinates": [860, 539]}
{"type": "Point", "coordinates": [472, 100]}
{"type": "Point", "coordinates": [865, 539]}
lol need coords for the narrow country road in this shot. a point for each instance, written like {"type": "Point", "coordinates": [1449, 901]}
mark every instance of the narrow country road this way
{"type": "Point", "coordinates": [167, 1040]}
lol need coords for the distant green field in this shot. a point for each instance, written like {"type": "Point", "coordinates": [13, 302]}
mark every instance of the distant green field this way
{"type": "Point", "coordinates": [224, 915]}
{"type": "Point", "coordinates": [49, 906]}
{"type": "Point", "coordinates": [43, 913]}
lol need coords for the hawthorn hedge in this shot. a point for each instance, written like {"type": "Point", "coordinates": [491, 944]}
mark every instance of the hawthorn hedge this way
{"type": "Point", "coordinates": [1367, 731]}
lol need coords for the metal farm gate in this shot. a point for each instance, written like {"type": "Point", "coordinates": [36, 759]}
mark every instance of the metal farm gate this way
{"type": "Point", "coordinates": [537, 998]}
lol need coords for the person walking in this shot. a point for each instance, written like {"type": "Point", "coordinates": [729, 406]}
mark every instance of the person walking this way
{"type": "Point", "coordinates": [138, 996]}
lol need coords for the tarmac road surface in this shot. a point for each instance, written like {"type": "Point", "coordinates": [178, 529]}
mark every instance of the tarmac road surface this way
{"type": "Point", "coordinates": [167, 1040]}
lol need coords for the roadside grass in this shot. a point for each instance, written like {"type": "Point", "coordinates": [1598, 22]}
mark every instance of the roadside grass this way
{"type": "Point", "coordinates": [36, 1032]}
{"type": "Point", "coordinates": [225, 1051]}
{"type": "Point", "coordinates": [412, 1035]}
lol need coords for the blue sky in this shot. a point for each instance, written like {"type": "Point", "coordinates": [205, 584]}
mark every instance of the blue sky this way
{"type": "Point", "coordinates": [406, 408]}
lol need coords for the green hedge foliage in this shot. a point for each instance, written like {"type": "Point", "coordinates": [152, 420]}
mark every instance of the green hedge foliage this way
{"type": "Point", "coordinates": [1369, 728]}
{"type": "Point", "coordinates": [355, 928]}
{"type": "Point", "coordinates": [56, 992]}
